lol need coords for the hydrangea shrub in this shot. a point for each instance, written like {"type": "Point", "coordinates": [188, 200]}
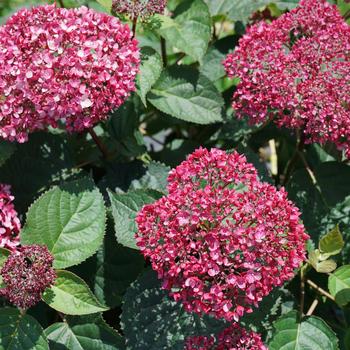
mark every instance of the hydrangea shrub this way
{"type": "Point", "coordinates": [174, 175]}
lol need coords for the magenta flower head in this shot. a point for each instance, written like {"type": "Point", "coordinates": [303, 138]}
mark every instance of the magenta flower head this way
{"type": "Point", "coordinates": [139, 8]}
{"type": "Point", "coordinates": [296, 71]}
{"type": "Point", "coordinates": [67, 65]}
{"type": "Point", "coordinates": [9, 222]}
{"type": "Point", "coordinates": [232, 338]}
{"type": "Point", "coordinates": [221, 240]}
{"type": "Point", "coordinates": [26, 274]}
{"type": "Point", "coordinates": [200, 343]}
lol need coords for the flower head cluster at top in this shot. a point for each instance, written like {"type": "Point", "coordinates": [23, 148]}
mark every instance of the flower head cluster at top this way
{"type": "Point", "coordinates": [27, 273]}
{"type": "Point", "coordinates": [138, 8]}
{"type": "Point", "coordinates": [9, 222]}
{"type": "Point", "coordinates": [62, 65]}
{"type": "Point", "coordinates": [231, 338]}
{"type": "Point", "coordinates": [221, 239]}
{"type": "Point", "coordinates": [297, 70]}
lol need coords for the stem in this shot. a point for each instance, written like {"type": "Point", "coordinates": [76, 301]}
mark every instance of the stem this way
{"type": "Point", "coordinates": [312, 177]}
{"type": "Point", "coordinates": [347, 15]}
{"type": "Point", "coordinates": [98, 142]}
{"type": "Point", "coordinates": [312, 307]}
{"type": "Point", "coordinates": [163, 50]}
{"type": "Point", "coordinates": [320, 290]}
{"type": "Point", "coordinates": [22, 311]}
{"type": "Point", "coordinates": [134, 24]}
{"type": "Point", "coordinates": [61, 3]}
{"type": "Point", "coordinates": [63, 316]}
{"type": "Point", "coordinates": [302, 289]}
{"type": "Point", "coordinates": [292, 162]}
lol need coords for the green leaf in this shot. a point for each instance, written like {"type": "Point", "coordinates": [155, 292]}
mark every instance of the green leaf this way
{"type": "Point", "coordinates": [124, 128]}
{"type": "Point", "coordinates": [286, 4]}
{"type": "Point", "coordinates": [119, 176]}
{"type": "Point", "coordinates": [326, 266]}
{"type": "Point", "coordinates": [212, 66]}
{"type": "Point", "coordinates": [116, 268]}
{"type": "Point", "coordinates": [332, 243]}
{"type": "Point", "coordinates": [155, 178]}
{"type": "Point", "coordinates": [338, 174]}
{"type": "Point", "coordinates": [312, 333]}
{"type": "Point", "coordinates": [185, 94]}
{"type": "Point", "coordinates": [44, 159]}
{"type": "Point", "coordinates": [150, 70]}
{"type": "Point", "coordinates": [4, 254]}
{"type": "Point", "coordinates": [70, 220]}
{"type": "Point", "coordinates": [314, 257]}
{"type": "Point", "coordinates": [339, 215]}
{"type": "Point", "coordinates": [20, 332]}
{"type": "Point", "coordinates": [342, 298]}
{"type": "Point", "coordinates": [84, 333]}
{"type": "Point", "coordinates": [125, 207]}
{"type": "Point", "coordinates": [71, 295]}
{"type": "Point", "coordinates": [235, 9]}
{"type": "Point", "coordinates": [324, 206]}
{"type": "Point", "coordinates": [152, 321]}
{"type": "Point", "coordinates": [238, 10]}
{"type": "Point", "coordinates": [339, 285]}
{"type": "Point", "coordinates": [319, 263]}
{"type": "Point", "coordinates": [190, 30]}
{"type": "Point", "coordinates": [6, 151]}
{"type": "Point", "coordinates": [309, 200]}
{"type": "Point", "coordinates": [107, 4]}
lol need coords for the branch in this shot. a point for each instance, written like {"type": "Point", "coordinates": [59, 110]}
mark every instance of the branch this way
{"type": "Point", "coordinates": [291, 164]}
{"type": "Point", "coordinates": [312, 308]}
{"type": "Point", "coordinates": [134, 24]}
{"type": "Point", "coordinates": [320, 290]}
{"type": "Point", "coordinates": [99, 143]}
{"type": "Point", "coordinates": [302, 289]}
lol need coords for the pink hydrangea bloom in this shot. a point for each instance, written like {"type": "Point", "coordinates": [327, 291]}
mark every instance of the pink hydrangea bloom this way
{"type": "Point", "coordinates": [296, 71]}
{"type": "Point", "coordinates": [139, 8]}
{"type": "Point", "coordinates": [27, 273]}
{"type": "Point", "coordinates": [9, 222]}
{"type": "Point", "coordinates": [232, 338]}
{"type": "Point", "coordinates": [221, 240]}
{"type": "Point", "coordinates": [200, 343]}
{"type": "Point", "coordinates": [70, 65]}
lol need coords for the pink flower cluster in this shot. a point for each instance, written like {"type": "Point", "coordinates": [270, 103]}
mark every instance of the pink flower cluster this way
{"type": "Point", "coordinates": [138, 8]}
{"type": "Point", "coordinates": [296, 71]}
{"type": "Point", "coordinates": [27, 273]}
{"type": "Point", "coordinates": [221, 240]}
{"type": "Point", "coordinates": [62, 65]}
{"type": "Point", "coordinates": [199, 343]}
{"type": "Point", "coordinates": [232, 338]}
{"type": "Point", "coordinates": [9, 222]}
